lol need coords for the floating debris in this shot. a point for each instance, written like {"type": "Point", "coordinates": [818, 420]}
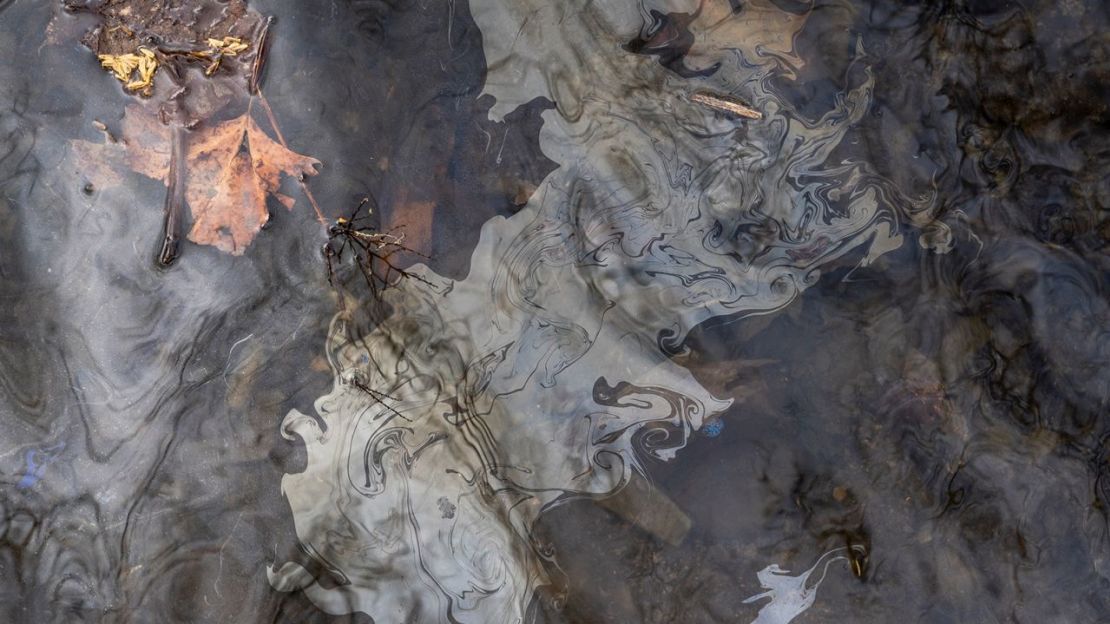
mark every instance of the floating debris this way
{"type": "Point", "coordinates": [198, 134]}
{"type": "Point", "coordinates": [219, 48]}
{"type": "Point", "coordinates": [726, 104]}
{"type": "Point", "coordinates": [373, 250]}
{"type": "Point", "coordinates": [230, 46]}
{"type": "Point", "coordinates": [125, 66]}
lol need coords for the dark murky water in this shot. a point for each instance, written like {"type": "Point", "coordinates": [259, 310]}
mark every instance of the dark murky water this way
{"type": "Point", "coordinates": [661, 349]}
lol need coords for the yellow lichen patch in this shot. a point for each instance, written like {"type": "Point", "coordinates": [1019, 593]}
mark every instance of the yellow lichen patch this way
{"type": "Point", "coordinates": [147, 66]}
{"type": "Point", "coordinates": [121, 65]}
{"type": "Point", "coordinates": [219, 48]}
{"type": "Point", "coordinates": [124, 66]}
{"type": "Point", "coordinates": [136, 71]}
{"type": "Point", "coordinates": [228, 45]}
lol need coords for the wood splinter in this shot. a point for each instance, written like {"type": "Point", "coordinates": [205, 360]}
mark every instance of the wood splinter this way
{"type": "Point", "coordinates": [725, 104]}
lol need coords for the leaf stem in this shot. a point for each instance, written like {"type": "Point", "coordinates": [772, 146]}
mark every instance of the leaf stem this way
{"type": "Point", "coordinates": [175, 196]}
{"type": "Point", "coordinates": [281, 138]}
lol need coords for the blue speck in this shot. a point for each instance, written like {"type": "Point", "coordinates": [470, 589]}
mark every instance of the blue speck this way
{"type": "Point", "coordinates": [713, 428]}
{"type": "Point", "coordinates": [37, 461]}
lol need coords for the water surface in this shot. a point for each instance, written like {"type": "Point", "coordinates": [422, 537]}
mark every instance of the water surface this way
{"type": "Point", "coordinates": [870, 324]}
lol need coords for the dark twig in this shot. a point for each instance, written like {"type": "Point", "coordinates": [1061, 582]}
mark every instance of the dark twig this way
{"type": "Point", "coordinates": [373, 250]}
{"type": "Point", "coordinates": [175, 196]}
{"type": "Point", "coordinates": [379, 397]}
{"type": "Point", "coordinates": [259, 56]}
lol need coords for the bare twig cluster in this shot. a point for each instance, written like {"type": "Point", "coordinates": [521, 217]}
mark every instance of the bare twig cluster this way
{"type": "Point", "coordinates": [373, 250]}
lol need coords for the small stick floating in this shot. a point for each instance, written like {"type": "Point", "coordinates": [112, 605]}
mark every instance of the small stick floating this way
{"type": "Point", "coordinates": [726, 104]}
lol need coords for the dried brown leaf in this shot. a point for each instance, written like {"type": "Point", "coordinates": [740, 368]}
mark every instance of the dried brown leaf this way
{"type": "Point", "coordinates": [232, 168]}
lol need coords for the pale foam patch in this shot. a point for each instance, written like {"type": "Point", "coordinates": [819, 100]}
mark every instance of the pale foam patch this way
{"type": "Point", "coordinates": [787, 595]}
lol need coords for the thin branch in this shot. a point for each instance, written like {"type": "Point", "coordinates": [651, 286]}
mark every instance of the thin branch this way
{"type": "Point", "coordinates": [281, 138]}
{"type": "Point", "coordinates": [175, 196]}
{"type": "Point", "coordinates": [725, 103]}
{"type": "Point", "coordinates": [372, 250]}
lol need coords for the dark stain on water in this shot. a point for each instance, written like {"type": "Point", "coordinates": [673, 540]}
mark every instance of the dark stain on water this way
{"type": "Point", "coordinates": [945, 413]}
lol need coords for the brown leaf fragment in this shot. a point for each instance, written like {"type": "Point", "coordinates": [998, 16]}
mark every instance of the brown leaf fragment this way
{"type": "Point", "coordinates": [147, 143]}
{"type": "Point", "coordinates": [143, 146]}
{"type": "Point", "coordinates": [271, 159]}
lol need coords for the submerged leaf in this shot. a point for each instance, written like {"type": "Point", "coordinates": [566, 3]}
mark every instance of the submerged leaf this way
{"type": "Point", "coordinates": [232, 167]}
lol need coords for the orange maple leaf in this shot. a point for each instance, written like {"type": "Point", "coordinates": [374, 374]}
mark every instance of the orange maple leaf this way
{"type": "Point", "coordinates": [231, 168]}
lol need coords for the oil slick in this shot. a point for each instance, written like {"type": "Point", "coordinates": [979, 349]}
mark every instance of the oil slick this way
{"type": "Point", "coordinates": [547, 372]}
{"type": "Point", "coordinates": [790, 596]}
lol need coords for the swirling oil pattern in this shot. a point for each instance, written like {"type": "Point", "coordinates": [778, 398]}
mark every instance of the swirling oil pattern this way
{"type": "Point", "coordinates": [843, 362]}
{"type": "Point", "coordinates": [546, 372]}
